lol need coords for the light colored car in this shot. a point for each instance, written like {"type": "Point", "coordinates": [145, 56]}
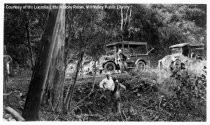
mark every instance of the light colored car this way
{"type": "Point", "coordinates": [183, 53]}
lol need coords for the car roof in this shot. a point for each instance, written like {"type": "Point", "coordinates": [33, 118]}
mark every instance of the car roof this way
{"type": "Point", "coordinates": [126, 42]}
{"type": "Point", "coordinates": [188, 44]}
{"type": "Point", "coordinates": [179, 45]}
{"type": "Point", "coordinates": [197, 45]}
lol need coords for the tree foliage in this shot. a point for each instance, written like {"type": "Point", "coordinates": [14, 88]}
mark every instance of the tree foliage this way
{"type": "Point", "coordinates": [161, 25]}
{"type": "Point", "coordinates": [22, 46]}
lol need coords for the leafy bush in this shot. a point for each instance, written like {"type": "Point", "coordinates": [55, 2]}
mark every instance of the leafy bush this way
{"type": "Point", "coordinates": [185, 92]}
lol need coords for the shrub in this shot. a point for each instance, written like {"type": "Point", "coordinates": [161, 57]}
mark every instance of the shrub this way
{"type": "Point", "coordinates": [188, 90]}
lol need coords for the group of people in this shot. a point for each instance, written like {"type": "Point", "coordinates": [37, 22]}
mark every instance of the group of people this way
{"type": "Point", "coordinates": [111, 88]}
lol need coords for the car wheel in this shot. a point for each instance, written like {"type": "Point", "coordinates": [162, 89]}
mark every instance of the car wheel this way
{"type": "Point", "coordinates": [109, 66]}
{"type": "Point", "coordinates": [141, 66]}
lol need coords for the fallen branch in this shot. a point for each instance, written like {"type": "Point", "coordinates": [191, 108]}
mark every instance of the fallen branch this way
{"type": "Point", "coordinates": [7, 94]}
{"type": "Point", "coordinates": [126, 119]}
{"type": "Point", "coordinates": [14, 113]}
{"type": "Point", "coordinates": [85, 97]}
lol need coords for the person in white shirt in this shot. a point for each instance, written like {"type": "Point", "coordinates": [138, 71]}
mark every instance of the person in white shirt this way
{"type": "Point", "coordinates": [112, 91]}
{"type": "Point", "coordinates": [107, 84]}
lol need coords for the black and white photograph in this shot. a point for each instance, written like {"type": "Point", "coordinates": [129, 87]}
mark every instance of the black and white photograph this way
{"type": "Point", "coordinates": [104, 62]}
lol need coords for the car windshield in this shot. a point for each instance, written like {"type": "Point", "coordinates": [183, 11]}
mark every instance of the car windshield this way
{"type": "Point", "coordinates": [128, 49]}
{"type": "Point", "coordinates": [176, 50]}
{"type": "Point", "coordinates": [125, 49]}
{"type": "Point", "coordinates": [199, 52]}
{"type": "Point", "coordinates": [110, 50]}
{"type": "Point", "coordinates": [138, 49]}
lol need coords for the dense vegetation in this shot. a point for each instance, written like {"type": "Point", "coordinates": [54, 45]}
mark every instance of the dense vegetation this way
{"type": "Point", "coordinates": [159, 25]}
{"type": "Point", "coordinates": [178, 98]}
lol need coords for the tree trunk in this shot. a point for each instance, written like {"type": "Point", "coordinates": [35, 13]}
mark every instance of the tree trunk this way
{"type": "Point", "coordinates": [55, 82]}
{"type": "Point", "coordinates": [53, 33]}
{"type": "Point", "coordinates": [5, 83]}
{"type": "Point", "coordinates": [71, 88]}
{"type": "Point", "coordinates": [94, 75]}
{"type": "Point", "coordinates": [121, 28]}
{"type": "Point", "coordinates": [129, 23]}
{"type": "Point", "coordinates": [29, 43]}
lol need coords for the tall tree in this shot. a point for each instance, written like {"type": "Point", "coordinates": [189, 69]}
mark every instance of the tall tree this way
{"type": "Point", "coordinates": [54, 86]}
{"type": "Point", "coordinates": [52, 47]}
{"type": "Point", "coordinates": [28, 39]}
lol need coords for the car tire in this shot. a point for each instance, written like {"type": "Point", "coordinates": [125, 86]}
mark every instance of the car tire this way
{"type": "Point", "coordinates": [141, 66]}
{"type": "Point", "coordinates": [109, 66]}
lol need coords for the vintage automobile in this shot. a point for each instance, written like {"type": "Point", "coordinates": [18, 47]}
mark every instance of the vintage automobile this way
{"type": "Point", "coordinates": [188, 50]}
{"type": "Point", "coordinates": [182, 53]}
{"type": "Point", "coordinates": [136, 52]}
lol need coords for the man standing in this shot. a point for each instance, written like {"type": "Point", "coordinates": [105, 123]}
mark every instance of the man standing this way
{"type": "Point", "coordinates": [112, 91]}
{"type": "Point", "coordinates": [107, 84]}
{"type": "Point", "coordinates": [122, 61]}
{"type": "Point", "coordinates": [117, 96]}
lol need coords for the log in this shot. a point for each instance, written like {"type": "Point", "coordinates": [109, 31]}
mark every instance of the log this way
{"type": "Point", "coordinates": [14, 113]}
{"type": "Point", "coordinates": [7, 94]}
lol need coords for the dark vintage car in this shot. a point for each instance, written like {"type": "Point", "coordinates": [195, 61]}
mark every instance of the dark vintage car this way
{"type": "Point", "coordinates": [136, 53]}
